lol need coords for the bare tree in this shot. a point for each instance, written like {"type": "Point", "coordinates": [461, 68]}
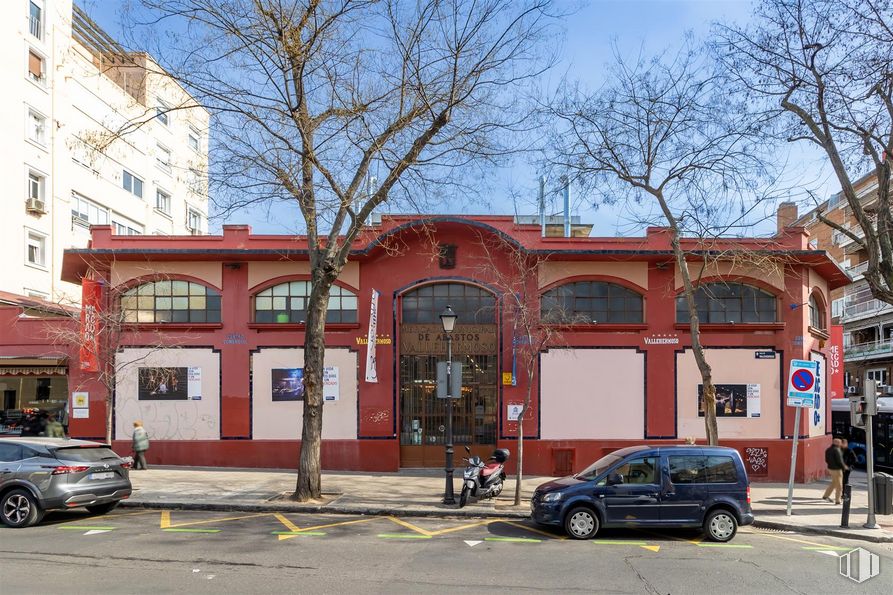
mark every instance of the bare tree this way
{"type": "Point", "coordinates": [823, 69]}
{"type": "Point", "coordinates": [342, 105]}
{"type": "Point", "coordinates": [661, 134]}
{"type": "Point", "coordinates": [514, 272]}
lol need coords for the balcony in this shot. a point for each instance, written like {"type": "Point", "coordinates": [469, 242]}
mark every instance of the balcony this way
{"type": "Point", "coordinates": [856, 271]}
{"type": "Point", "coordinates": [870, 350]}
{"type": "Point", "coordinates": [873, 307]}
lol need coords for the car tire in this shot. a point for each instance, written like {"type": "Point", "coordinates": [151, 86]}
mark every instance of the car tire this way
{"type": "Point", "coordinates": [581, 523]}
{"type": "Point", "coordinates": [19, 508]}
{"type": "Point", "coordinates": [102, 508]}
{"type": "Point", "coordinates": [720, 525]}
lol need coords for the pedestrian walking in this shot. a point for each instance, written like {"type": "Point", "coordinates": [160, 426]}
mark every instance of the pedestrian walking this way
{"type": "Point", "coordinates": [140, 445]}
{"type": "Point", "coordinates": [63, 418]}
{"type": "Point", "coordinates": [836, 466]}
{"type": "Point", "coordinates": [54, 428]}
{"type": "Point", "coordinates": [849, 459]}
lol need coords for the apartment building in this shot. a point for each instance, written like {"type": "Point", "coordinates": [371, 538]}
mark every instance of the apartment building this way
{"type": "Point", "coordinates": [867, 322]}
{"type": "Point", "coordinates": [71, 90]}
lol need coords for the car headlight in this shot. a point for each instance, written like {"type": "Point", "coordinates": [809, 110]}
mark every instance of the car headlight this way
{"type": "Point", "coordinates": [552, 497]}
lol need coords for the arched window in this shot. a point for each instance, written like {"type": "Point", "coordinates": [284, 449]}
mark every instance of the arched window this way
{"type": "Point", "coordinates": [590, 302]}
{"type": "Point", "coordinates": [287, 303]}
{"type": "Point", "coordinates": [472, 304]}
{"type": "Point", "coordinates": [727, 303]}
{"type": "Point", "coordinates": [816, 314]}
{"type": "Point", "coordinates": [170, 301]}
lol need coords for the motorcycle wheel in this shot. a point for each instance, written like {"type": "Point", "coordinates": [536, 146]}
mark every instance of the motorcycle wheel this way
{"type": "Point", "coordinates": [463, 497]}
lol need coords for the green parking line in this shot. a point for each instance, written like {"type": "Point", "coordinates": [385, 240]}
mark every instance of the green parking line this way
{"type": "Point", "coordinates": [619, 542]}
{"type": "Point", "coordinates": [175, 530]}
{"type": "Point", "coordinates": [738, 545]}
{"type": "Point", "coordinates": [517, 539]}
{"type": "Point", "coordinates": [403, 536]}
{"type": "Point", "coordinates": [298, 533]}
{"type": "Point", "coordinates": [83, 528]}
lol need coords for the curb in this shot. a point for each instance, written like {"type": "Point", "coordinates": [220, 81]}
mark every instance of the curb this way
{"type": "Point", "coordinates": [325, 509]}
{"type": "Point", "coordinates": [840, 533]}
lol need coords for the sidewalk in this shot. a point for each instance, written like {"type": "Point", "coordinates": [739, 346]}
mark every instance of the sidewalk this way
{"type": "Point", "coordinates": [419, 493]}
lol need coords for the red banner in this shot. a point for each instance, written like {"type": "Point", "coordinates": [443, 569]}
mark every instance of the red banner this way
{"type": "Point", "coordinates": [91, 304]}
{"type": "Point", "coordinates": [835, 371]}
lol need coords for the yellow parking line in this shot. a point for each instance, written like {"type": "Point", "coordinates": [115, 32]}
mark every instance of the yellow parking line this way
{"type": "Point", "coordinates": [793, 539]}
{"type": "Point", "coordinates": [165, 519]}
{"type": "Point", "coordinates": [410, 526]}
{"type": "Point", "coordinates": [167, 524]}
{"type": "Point", "coordinates": [375, 518]}
{"type": "Point", "coordinates": [288, 524]}
{"type": "Point", "coordinates": [463, 527]}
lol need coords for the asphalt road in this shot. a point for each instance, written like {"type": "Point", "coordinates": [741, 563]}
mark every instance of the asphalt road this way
{"type": "Point", "coordinates": [198, 552]}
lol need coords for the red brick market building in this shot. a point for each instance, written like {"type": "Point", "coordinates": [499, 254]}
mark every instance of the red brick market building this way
{"type": "Point", "coordinates": [210, 355]}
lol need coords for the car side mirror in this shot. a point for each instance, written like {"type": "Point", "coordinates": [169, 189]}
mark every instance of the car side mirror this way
{"type": "Point", "coordinates": [614, 479]}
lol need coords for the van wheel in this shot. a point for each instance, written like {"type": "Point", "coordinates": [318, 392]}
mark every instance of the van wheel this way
{"type": "Point", "coordinates": [18, 508]}
{"type": "Point", "coordinates": [720, 525]}
{"type": "Point", "coordinates": [102, 508]}
{"type": "Point", "coordinates": [581, 523]}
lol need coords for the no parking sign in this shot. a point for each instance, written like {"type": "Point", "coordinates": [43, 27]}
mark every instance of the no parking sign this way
{"type": "Point", "coordinates": [803, 386]}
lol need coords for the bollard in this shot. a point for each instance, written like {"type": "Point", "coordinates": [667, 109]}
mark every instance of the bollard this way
{"type": "Point", "coordinates": [845, 511]}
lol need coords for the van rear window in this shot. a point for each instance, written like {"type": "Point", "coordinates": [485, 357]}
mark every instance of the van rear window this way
{"type": "Point", "coordinates": [721, 470]}
{"type": "Point", "coordinates": [86, 455]}
{"type": "Point", "coordinates": [700, 469]}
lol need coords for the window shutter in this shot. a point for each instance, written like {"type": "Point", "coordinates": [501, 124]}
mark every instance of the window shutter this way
{"type": "Point", "coordinates": [35, 65]}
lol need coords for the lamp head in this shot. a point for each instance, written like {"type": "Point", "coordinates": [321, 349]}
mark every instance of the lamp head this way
{"type": "Point", "coordinates": [448, 320]}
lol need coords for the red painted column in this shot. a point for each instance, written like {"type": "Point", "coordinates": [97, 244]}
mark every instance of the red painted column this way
{"type": "Point", "coordinates": [235, 395]}
{"type": "Point", "coordinates": [660, 389]}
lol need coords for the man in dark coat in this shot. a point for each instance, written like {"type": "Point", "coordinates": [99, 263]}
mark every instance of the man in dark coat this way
{"type": "Point", "coordinates": [836, 467]}
{"type": "Point", "coordinates": [849, 459]}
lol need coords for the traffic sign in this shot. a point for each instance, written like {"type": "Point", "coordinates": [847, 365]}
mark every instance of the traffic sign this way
{"type": "Point", "coordinates": [802, 386]}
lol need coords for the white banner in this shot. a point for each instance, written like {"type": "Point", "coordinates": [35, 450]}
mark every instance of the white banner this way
{"type": "Point", "coordinates": [330, 385]}
{"type": "Point", "coordinates": [371, 367]}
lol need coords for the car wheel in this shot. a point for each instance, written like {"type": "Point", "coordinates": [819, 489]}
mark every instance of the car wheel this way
{"type": "Point", "coordinates": [102, 508]}
{"type": "Point", "coordinates": [720, 525]}
{"type": "Point", "coordinates": [18, 508]}
{"type": "Point", "coordinates": [581, 523]}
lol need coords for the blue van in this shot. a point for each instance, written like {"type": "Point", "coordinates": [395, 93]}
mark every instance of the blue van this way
{"type": "Point", "coordinates": [645, 486]}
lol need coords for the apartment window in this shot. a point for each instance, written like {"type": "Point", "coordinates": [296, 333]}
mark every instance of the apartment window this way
{"type": "Point", "coordinates": [125, 228]}
{"type": "Point", "coordinates": [36, 67]}
{"type": "Point", "coordinates": [163, 157]}
{"type": "Point", "coordinates": [37, 125]}
{"type": "Point", "coordinates": [161, 112]}
{"type": "Point", "coordinates": [879, 375]}
{"type": "Point", "coordinates": [588, 302]}
{"type": "Point", "coordinates": [171, 301]}
{"type": "Point", "coordinates": [35, 248]}
{"type": "Point", "coordinates": [163, 201]}
{"type": "Point", "coordinates": [816, 314]}
{"type": "Point", "coordinates": [194, 136]}
{"type": "Point", "coordinates": [837, 307]}
{"type": "Point", "coordinates": [133, 184]}
{"type": "Point", "coordinates": [287, 303]}
{"type": "Point", "coordinates": [87, 212]}
{"type": "Point", "coordinates": [719, 303]}
{"type": "Point", "coordinates": [193, 221]}
{"type": "Point", "coordinates": [36, 20]}
{"type": "Point", "coordinates": [36, 184]}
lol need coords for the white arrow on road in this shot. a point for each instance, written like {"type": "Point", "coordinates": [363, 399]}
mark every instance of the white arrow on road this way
{"type": "Point", "coordinates": [472, 543]}
{"type": "Point", "coordinates": [95, 531]}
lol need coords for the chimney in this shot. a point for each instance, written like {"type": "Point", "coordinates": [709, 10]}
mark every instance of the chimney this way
{"type": "Point", "coordinates": [787, 214]}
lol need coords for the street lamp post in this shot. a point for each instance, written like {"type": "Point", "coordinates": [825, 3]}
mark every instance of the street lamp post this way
{"type": "Point", "coordinates": [448, 320]}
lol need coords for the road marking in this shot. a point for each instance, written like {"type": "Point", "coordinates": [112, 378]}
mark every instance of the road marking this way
{"type": "Point", "coordinates": [821, 545]}
{"type": "Point", "coordinates": [181, 530]}
{"type": "Point", "coordinates": [403, 536]}
{"type": "Point", "coordinates": [827, 553]}
{"type": "Point", "coordinates": [514, 539]}
{"type": "Point", "coordinates": [97, 531]}
{"type": "Point", "coordinates": [462, 527]}
{"type": "Point", "coordinates": [696, 541]}
{"type": "Point", "coordinates": [732, 545]}
{"type": "Point", "coordinates": [290, 525]}
{"type": "Point", "coordinates": [533, 530]}
{"type": "Point", "coordinates": [826, 548]}
{"type": "Point", "coordinates": [86, 528]}
{"type": "Point", "coordinates": [652, 548]}
{"type": "Point", "coordinates": [410, 526]}
{"type": "Point", "coordinates": [166, 519]}
{"type": "Point", "coordinates": [619, 542]}
{"type": "Point", "coordinates": [297, 533]}
{"type": "Point", "coordinates": [472, 543]}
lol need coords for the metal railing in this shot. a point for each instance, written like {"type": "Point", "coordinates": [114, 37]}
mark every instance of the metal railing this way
{"type": "Point", "coordinates": [865, 308]}
{"type": "Point", "coordinates": [856, 270]}
{"type": "Point", "coordinates": [865, 350]}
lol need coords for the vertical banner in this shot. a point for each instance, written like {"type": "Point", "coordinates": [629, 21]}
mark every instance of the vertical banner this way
{"type": "Point", "coordinates": [91, 303]}
{"type": "Point", "coordinates": [835, 371]}
{"type": "Point", "coordinates": [372, 340]}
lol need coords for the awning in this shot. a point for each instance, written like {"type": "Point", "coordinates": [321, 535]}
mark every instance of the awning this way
{"type": "Point", "coordinates": [33, 365]}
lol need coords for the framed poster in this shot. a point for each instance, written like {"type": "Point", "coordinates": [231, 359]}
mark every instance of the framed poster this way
{"type": "Point", "coordinates": [330, 384]}
{"type": "Point", "coordinates": [163, 384]}
{"type": "Point", "coordinates": [288, 384]}
{"type": "Point", "coordinates": [733, 400]}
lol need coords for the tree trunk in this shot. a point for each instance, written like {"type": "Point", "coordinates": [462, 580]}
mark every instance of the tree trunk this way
{"type": "Point", "coordinates": [698, 350]}
{"type": "Point", "coordinates": [310, 468]}
{"type": "Point", "coordinates": [520, 476]}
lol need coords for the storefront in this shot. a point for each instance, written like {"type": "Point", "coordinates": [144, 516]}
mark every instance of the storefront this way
{"type": "Point", "coordinates": [211, 358]}
{"type": "Point", "coordinates": [31, 383]}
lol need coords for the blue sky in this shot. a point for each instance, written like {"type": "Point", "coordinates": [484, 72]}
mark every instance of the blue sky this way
{"type": "Point", "coordinates": [634, 25]}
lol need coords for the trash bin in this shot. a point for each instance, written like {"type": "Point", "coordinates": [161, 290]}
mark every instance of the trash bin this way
{"type": "Point", "coordinates": [883, 493]}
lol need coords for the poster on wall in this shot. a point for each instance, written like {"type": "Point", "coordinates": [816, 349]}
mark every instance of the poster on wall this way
{"type": "Point", "coordinates": [733, 400]}
{"type": "Point", "coordinates": [80, 405]}
{"type": "Point", "coordinates": [195, 384]}
{"type": "Point", "coordinates": [163, 384]}
{"type": "Point", "coordinates": [330, 385]}
{"type": "Point", "coordinates": [288, 384]}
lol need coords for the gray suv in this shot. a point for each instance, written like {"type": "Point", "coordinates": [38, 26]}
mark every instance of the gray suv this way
{"type": "Point", "coordinates": [40, 474]}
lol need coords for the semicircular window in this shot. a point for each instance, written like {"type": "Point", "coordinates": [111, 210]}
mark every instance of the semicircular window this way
{"type": "Point", "coordinates": [721, 302]}
{"type": "Point", "coordinates": [591, 302]}
{"type": "Point", "coordinates": [472, 304]}
{"type": "Point", "coordinates": [170, 301]}
{"type": "Point", "coordinates": [287, 303]}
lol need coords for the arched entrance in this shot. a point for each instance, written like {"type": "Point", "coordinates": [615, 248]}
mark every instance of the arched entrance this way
{"type": "Point", "coordinates": [422, 345]}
